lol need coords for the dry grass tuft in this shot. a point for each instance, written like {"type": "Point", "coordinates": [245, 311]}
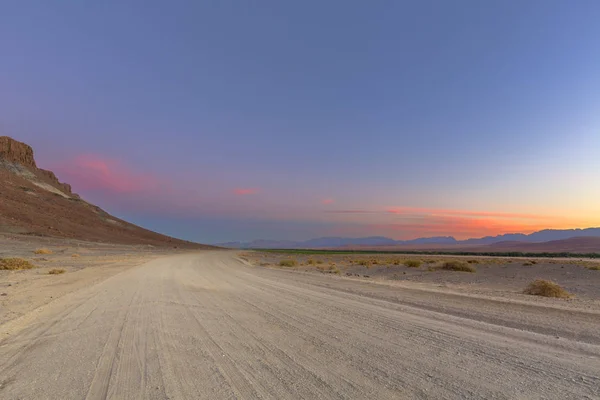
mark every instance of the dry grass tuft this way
{"type": "Point", "coordinates": [594, 268]}
{"type": "Point", "coordinates": [15, 264]}
{"type": "Point", "coordinates": [310, 261]}
{"type": "Point", "coordinates": [75, 255]}
{"type": "Point", "coordinates": [412, 263]}
{"type": "Point", "coordinates": [334, 270]}
{"type": "Point", "coordinates": [57, 271]}
{"type": "Point", "coordinates": [365, 263]}
{"type": "Point", "coordinates": [545, 288]}
{"type": "Point", "coordinates": [43, 251]}
{"type": "Point", "coordinates": [473, 261]}
{"type": "Point", "coordinates": [457, 266]}
{"type": "Point", "coordinates": [288, 263]}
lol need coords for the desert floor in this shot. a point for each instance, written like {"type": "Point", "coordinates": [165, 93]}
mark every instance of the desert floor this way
{"type": "Point", "coordinates": [150, 324]}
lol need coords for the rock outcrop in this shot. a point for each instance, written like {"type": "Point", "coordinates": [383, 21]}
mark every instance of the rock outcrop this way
{"type": "Point", "coordinates": [16, 152]}
{"type": "Point", "coordinates": [34, 202]}
{"type": "Point", "coordinates": [21, 154]}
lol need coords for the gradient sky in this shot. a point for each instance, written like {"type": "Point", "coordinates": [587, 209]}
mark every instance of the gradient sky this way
{"type": "Point", "coordinates": [223, 120]}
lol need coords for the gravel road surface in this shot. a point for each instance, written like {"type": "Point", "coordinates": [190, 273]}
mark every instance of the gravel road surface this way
{"type": "Point", "coordinates": [208, 326]}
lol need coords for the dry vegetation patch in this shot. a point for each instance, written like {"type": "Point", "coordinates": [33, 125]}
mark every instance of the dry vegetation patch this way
{"type": "Point", "coordinates": [57, 271]}
{"type": "Point", "coordinates": [594, 268]}
{"type": "Point", "coordinates": [15, 264]}
{"type": "Point", "coordinates": [412, 263]}
{"type": "Point", "coordinates": [43, 251]}
{"type": "Point", "coordinates": [545, 288]}
{"type": "Point", "coordinates": [457, 266]}
{"type": "Point", "coordinates": [334, 270]}
{"type": "Point", "coordinates": [288, 263]}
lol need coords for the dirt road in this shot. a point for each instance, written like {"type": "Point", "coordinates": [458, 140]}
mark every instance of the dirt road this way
{"type": "Point", "coordinates": [206, 326]}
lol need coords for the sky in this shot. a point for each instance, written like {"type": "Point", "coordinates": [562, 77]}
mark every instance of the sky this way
{"type": "Point", "coordinates": [231, 121]}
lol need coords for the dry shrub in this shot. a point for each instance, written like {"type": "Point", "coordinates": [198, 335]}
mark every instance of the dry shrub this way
{"type": "Point", "coordinates": [473, 261]}
{"type": "Point", "coordinates": [57, 271]}
{"type": "Point", "coordinates": [527, 264]}
{"type": "Point", "coordinates": [15, 264]}
{"type": "Point", "coordinates": [545, 288]}
{"type": "Point", "coordinates": [43, 251]}
{"type": "Point", "coordinates": [457, 266]}
{"type": "Point", "coordinates": [288, 263]}
{"type": "Point", "coordinates": [319, 261]}
{"type": "Point", "coordinates": [365, 263]}
{"type": "Point", "coordinates": [75, 255]}
{"type": "Point", "coordinates": [334, 270]}
{"type": "Point", "coordinates": [412, 263]}
{"type": "Point", "coordinates": [311, 261]}
{"type": "Point", "coordinates": [594, 268]}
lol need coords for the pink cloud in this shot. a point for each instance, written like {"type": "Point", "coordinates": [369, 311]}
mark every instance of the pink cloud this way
{"type": "Point", "coordinates": [327, 201]}
{"type": "Point", "coordinates": [412, 211]}
{"type": "Point", "coordinates": [245, 191]}
{"type": "Point", "coordinates": [91, 172]}
{"type": "Point", "coordinates": [459, 227]}
{"type": "Point", "coordinates": [462, 213]}
{"type": "Point", "coordinates": [351, 212]}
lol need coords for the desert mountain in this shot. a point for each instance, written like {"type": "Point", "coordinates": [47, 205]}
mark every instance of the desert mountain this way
{"type": "Point", "coordinates": [581, 244]}
{"type": "Point", "coordinates": [34, 202]}
{"type": "Point", "coordinates": [543, 240]}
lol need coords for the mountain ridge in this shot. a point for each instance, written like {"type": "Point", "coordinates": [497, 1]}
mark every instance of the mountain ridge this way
{"type": "Point", "coordinates": [544, 235]}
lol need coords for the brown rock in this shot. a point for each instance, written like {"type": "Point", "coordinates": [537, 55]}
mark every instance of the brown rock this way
{"type": "Point", "coordinates": [34, 202]}
{"type": "Point", "coordinates": [17, 152]}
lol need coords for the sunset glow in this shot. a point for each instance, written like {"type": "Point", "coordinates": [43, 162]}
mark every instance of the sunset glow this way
{"type": "Point", "coordinates": [222, 125]}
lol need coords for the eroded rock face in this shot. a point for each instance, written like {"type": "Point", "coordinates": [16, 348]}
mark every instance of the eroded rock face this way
{"type": "Point", "coordinates": [16, 152]}
{"type": "Point", "coordinates": [34, 202]}
{"type": "Point", "coordinates": [49, 175]}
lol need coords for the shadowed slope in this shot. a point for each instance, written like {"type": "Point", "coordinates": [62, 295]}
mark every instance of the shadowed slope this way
{"type": "Point", "coordinates": [34, 202]}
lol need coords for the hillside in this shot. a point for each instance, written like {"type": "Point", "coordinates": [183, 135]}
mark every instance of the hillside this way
{"type": "Point", "coordinates": [571, 245]}
{"type": "Point", "coordinates": [565, 240]}
{"type": "Point", "coordinates": [34, 202]}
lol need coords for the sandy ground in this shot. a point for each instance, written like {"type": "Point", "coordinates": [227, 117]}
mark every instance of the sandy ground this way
{"type": "Point", "coordinates": [494, 275]}
{"type": "Point", "coordinates": [84, 263]}
{"type": "Point", "coordinates": [212, 326]}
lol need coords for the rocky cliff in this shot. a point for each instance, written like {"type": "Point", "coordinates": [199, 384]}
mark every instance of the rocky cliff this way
{"type": "Point", "coordinates": [34, 202]}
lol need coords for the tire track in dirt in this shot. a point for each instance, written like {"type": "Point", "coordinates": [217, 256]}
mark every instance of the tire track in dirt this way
{"type": "Point", "coordinates": [206, 326]}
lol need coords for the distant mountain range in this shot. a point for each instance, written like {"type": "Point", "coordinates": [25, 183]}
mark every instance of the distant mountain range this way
{"type": "Point", "coordinates": [545, 235]}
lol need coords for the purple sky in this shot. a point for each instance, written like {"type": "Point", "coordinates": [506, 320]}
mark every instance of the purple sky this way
{"type": "Point", "coordinates": [219, 121]}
